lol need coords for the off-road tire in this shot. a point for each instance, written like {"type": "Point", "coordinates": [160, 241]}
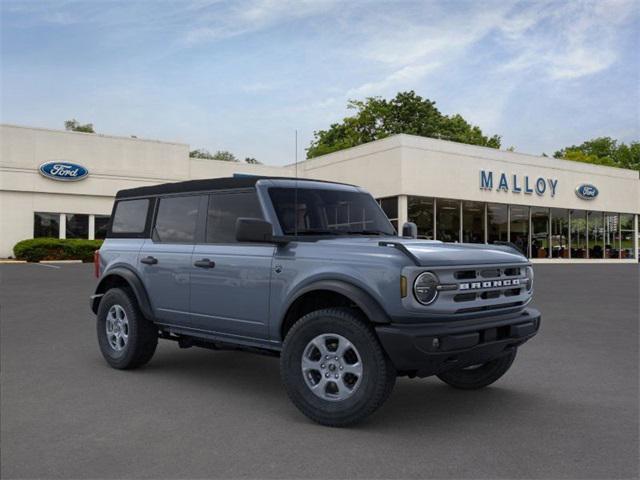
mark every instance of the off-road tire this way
{"type": "Point", "coordinates": [480, 377]}
{"type": "Point", "coordinates": [142, 334]}
{"type": "Point", "coordinates": [378, 376]}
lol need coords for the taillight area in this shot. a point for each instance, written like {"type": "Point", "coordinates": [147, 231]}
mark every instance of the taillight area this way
{"type": "Point", "coordinates": [96, 263]}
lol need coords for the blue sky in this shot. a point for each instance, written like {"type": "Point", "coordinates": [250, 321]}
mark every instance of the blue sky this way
{"type": "Point", "coordinates": [242, 76]}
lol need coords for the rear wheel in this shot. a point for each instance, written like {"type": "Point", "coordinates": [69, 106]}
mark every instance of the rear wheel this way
{"type": "Point", "coordinates": [334, 368]}
{"type": "Point", "coordinates": [481, 375]}
{"type": "Point", "coordinates": [127, 339]}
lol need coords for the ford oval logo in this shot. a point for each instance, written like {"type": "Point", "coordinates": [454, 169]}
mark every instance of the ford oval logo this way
{"type": "Point", "coordinates": [586, 191]}
{"type": "Point", "coordinates": [63, 171]}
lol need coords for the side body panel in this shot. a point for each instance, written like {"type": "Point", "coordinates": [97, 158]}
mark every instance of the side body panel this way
{"type": "Point", "coordinates": [232, 298]}
{"type": "Point", "coordinates": [167, 281]}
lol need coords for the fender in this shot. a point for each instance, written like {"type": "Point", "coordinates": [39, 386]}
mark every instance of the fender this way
{"type": "Point", "coordinates": [133, 281]}
{"type": "Point", "coordinates": [362, 299]}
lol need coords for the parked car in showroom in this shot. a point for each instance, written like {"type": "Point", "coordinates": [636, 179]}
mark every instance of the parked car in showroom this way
{"type": "Point", "coordinates": [312, 272]}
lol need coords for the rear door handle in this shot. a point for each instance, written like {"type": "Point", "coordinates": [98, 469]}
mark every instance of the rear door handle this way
{"type": "Point", "coordinates": [204, 263]}
{"type": "Point", "coordinates": [149, 260]}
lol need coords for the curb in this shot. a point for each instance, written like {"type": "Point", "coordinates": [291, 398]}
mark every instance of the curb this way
{"type": "Point", "coordinates": [9, 261]}
{"type": "Point", "coordinates": [60, 261]}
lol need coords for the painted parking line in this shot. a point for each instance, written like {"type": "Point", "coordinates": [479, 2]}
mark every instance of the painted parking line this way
{"type": "Point", "coordinates": [46, 265]}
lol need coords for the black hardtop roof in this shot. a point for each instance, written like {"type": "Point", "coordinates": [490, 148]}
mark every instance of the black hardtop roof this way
{"type": "Point", "coordinates": [207, 184]}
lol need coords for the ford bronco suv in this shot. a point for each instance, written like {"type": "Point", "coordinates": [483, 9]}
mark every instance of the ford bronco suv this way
{"type": "Point", "coordinates": [312, 272]}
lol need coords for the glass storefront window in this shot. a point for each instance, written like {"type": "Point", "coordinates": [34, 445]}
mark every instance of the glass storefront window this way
{"type": "Point", "coordinates": [420, 212]}
{"type": "Point", "coordinates": [473, 222]}
{"type": "Point", "coordinates": [447, 220]}
{"type": "Point", "coordinates": [611, 236]}
{"type": "Point", "coordinates": [520, 228]}
{"type": "Point", "coordinates": [46, 225]}
{"type": "Point", "coordinates": [77, 226]}
{"type": "Point", "coordinates": [101, 223]}
{"type": "Point", "coordinates": [539, 232]}
{"type": "Point", "coordinates": [578, 234]}
{"type": "Point", "coordinates": [390, 207]}
{"type": "Point", "coordinates": [626, 235]}
{"type": "Point", "coordinates": [497, 223]}
{"type": "Point", "coordinates": [559, 233]}
{"type": "Point", "coordinates": [596, 234]}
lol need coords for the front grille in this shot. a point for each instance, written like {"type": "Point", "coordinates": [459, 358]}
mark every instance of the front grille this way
{"type": "Point", "coordinates": [477, 289]}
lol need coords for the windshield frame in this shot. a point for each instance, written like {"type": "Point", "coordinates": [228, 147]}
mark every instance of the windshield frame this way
{"type": "Point", "coordinates": [374, 216]}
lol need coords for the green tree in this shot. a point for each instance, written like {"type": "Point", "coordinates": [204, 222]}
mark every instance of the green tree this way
{"type": "Point", "coordinates": [223, 155]}
{"type": "Point", "coordinates": [252, 161]}
{"type": "Point", "coordinates": [604, 151]}
{"type": "Point", "coordinates": [74, 126]}
{"type": "Point", "coordinates": [377, 118]}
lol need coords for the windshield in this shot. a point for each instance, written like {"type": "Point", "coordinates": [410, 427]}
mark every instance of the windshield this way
{"type": "Point", "coordinates": [328, 212]}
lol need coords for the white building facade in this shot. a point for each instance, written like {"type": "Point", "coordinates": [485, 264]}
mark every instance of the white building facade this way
{"type": "Point", "coordinates": [62, 184]}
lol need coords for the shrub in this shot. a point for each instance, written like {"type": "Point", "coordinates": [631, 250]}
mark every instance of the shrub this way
{"type": "Point", "coordinates": [36, 249]}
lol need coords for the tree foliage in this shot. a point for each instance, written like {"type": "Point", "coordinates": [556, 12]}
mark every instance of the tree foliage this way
{"type": "Point", "coordinates": [74, 126]}
{"type": "Point", "coordinates": [222, 155]}
{"type": "Point", "coordinates": [252, 161]}
{"type": "Point", "coordinates": [377, 118]}
{"type": "Point", "coordinates": [604, 151]}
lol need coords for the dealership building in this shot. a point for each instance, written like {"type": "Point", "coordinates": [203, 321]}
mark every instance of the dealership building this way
{"type": "Point", "coordinates": [62, 184]}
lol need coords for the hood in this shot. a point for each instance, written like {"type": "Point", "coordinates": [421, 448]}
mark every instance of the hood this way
{"type": "Point", "coordinates": [430, 253]}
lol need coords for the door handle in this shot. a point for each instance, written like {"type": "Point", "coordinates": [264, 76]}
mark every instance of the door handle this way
{"type": "Point", "coordinates": [149, 260]}
{"type": "Point", "coordinates": [204, 263]}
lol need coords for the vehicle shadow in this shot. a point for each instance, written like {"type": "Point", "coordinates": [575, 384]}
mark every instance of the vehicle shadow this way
{"type": "Point", "coordinates": [413, 404]}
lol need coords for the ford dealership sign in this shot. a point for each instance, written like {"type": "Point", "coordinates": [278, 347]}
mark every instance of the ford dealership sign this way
{"type": "Point", "coordinates": [586, 191]}
{"type": "Point", "coordinates": [63, 171]}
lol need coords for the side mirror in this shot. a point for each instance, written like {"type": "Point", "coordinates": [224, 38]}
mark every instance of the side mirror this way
{"type": "Point", "coordinates": [410, 230]}
{"type": "Point", "coordinates": [253, 230]}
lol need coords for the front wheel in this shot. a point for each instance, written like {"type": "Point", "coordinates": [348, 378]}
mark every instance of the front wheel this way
{"type": "Point", "coordinates": [479, 376]}
{"type": "Point", "coordinates": [334, 368]}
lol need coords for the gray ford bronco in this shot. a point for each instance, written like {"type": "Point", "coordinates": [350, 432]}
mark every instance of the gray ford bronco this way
{"type": "Point", "coordinates": [312, 272]}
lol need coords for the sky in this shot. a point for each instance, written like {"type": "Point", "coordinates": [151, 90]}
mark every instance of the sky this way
{"type": "Point", "coordinates": [243, 76]}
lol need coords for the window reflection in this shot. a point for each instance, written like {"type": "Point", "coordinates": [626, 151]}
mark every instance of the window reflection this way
{"type": "Point", "coordinates": [559, 233]}
{"type": "Point", "coordinates": [448, 220]}
{"type": "Point", "coordinates": [626, 236]}
{"type": "Point", "coordinates": [473, 222]}
{"type": "Point", "coordinates": [596, 235]}
{"type": "Point", "coordinates": [539, 232]}
{"type": "Point", "coordinates": [420, 212]}
{"type": "Point", "coordinates": [520, 228]}
{"type": "Point", "coordinates": [46, 225]}
{"type": "Point", "coordinates": [578, 234]}
{"type": "Point", "coordinates": [77, 226]}
{"type": "Point", "coordinates": [497, 223]}
{"type": "Point", "coordinates": [611, 236]}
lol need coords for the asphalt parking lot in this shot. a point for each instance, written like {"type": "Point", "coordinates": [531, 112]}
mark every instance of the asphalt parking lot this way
{"type": "Point", "coordinates": [567, 409]}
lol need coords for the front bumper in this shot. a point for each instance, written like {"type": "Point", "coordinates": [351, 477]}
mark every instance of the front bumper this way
{"type": "Point", "coordinates": [428, 349]}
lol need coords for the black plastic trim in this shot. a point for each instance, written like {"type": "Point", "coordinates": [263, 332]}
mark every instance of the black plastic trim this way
{"type": "Point", "coordinates": [134, 282]}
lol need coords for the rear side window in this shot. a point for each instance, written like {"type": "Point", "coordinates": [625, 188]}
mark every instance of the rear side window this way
{"type": "Point", "coordinates": [224, 210]}
{"type": "Point", "coordinates": [177, 219]}
{"type": "Point", "coordinates": [130, 216]}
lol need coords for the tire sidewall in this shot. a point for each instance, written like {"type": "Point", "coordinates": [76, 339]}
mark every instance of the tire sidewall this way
{"type": "Point", "coordinates": [319, 323]}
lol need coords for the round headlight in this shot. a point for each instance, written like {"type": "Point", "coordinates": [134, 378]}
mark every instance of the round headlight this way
{"type": "Point", "coordinates": [529, 273]}
{"type": "Point", "coordinates": [425, 288]}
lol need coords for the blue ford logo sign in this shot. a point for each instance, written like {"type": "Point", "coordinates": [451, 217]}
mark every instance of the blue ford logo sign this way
{"type": "Point", "coordinates": [63, 171]}
{"type": "Point", "coordinates": [586, 191]}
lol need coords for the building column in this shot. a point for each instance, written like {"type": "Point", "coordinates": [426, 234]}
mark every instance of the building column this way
{"type": "Point", "coordinates": [403, 212]}
{"type": "Point", "coordinates": [92, 227]}
{"type": "Point", "coordinates": [63, 225]}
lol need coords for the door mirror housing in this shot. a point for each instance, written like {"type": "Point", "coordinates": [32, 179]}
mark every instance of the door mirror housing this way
{"type": "Point", "coordinates": [410, 230]}
{"type": "Point", "coordinates": [254, 230]}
